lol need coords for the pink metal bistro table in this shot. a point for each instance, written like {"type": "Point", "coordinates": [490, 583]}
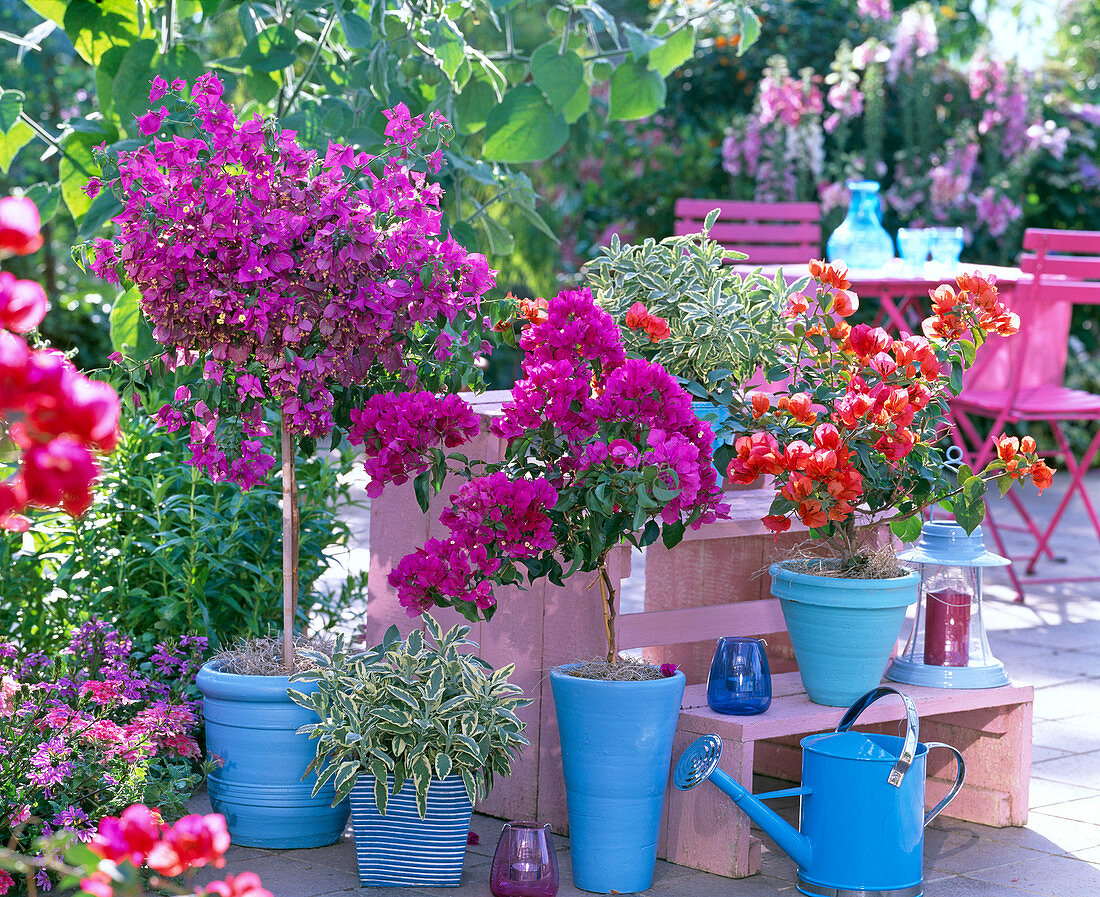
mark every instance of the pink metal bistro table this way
{"type": "Point", "coordinates": [902, 294]}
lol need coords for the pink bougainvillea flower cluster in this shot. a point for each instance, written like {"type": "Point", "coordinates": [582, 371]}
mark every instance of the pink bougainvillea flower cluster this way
{"type": "Point", "coordinates": [396, 431]}
{"type": "Point", "coordinates": [285, 278]}
{"type": "Point", "coordinates": [595, 441]}
{"type": "Point", "coordinates": [859, 401]}
{"type": "Point", "coordinates": [56, 417]}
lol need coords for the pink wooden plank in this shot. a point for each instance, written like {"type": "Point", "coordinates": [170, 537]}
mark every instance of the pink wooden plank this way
{"type": "Point", "coordinates": [767, 234]}
{"type": "Point", "coordinates": [699, 623]}
{"type": "Point", "coordinates": [704, 829]}
{"type": "Point", "coordinates": [747, 209]}
{"type": "Point", "coordinates": [1076, 267]}
{"type": "Point", "coordinates": [792, 714]}
{"type": "Point", "coordinates": [514, 635]}
{"type": "Point", "coordinates": [1080, 241]}
{"type": "Point", "coordinates": [771, 255]}
{"type": "Point", "coordinates": [573, 629]}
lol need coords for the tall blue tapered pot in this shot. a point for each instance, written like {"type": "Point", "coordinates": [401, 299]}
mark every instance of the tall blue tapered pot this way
{"type": "Point", "coordinates": [842, 630]}
{"type": "Point", "coordinates": [616, 750]}
{"type": "Point", "coordinates": [251, 728]}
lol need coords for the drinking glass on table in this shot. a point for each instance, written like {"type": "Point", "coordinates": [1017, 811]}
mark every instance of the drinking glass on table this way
{"type": "Point", "coordinates": [947, 246]}
{"type": "Point", "coordinates": [913, 246]}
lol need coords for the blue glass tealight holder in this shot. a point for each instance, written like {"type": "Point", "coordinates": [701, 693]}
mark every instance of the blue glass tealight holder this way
{"type": "Point", "coordinates": [740, 681]}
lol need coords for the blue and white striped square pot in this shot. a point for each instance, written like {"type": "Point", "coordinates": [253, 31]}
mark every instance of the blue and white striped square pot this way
{"type": "Point", "coordinates": [404, 850]}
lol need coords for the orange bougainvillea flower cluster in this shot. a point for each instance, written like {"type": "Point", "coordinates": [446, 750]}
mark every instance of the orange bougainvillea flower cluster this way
{"type": "Point", "coordinates": [853, 419]}
{"type": "Point", "coordinates": [1018, 457]}
{"type": "Point", "coordinates": [638, 318]}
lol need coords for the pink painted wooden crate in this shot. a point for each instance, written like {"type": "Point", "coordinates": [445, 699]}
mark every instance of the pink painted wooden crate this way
{"type": "Point", "coordinates": [710, 585]}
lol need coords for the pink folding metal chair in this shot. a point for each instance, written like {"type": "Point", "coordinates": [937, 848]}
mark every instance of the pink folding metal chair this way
{"type": "Point", "coordinates": [768, 232]}
{"type": "Point", "coordinates": [1023, 379]}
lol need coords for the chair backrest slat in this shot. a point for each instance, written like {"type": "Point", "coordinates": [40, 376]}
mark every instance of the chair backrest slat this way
{"type": "Point", "coordinates": [768, 232]}
{"type": "Point", "coordinates": [1071, 266]}
{"type": "Point", "coordinates": [1065, 269]}
{"type": "Point", "coordinates": [1077, 242]}
{"type": "Point", "coordinates": [741, 210]}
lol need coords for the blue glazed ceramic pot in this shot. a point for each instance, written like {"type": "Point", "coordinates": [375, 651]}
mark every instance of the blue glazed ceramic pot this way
{"type": "Point", "coordinates": [401, 849]}
{"type": "Point", "coordinates": [842, 630]}
{"type": "Point", "coordinates": [251, 728]}
{"type": "Point", "coordinates": [616, 749]}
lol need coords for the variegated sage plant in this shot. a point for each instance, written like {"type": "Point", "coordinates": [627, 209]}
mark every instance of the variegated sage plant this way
{"type": "Point", "coordinates": [413, 709]}
{"type": "Point", "coordinates": [713, 314]}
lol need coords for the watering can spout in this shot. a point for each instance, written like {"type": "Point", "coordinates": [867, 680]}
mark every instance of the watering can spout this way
{"type": "Point", "coordinates": [700, 762]}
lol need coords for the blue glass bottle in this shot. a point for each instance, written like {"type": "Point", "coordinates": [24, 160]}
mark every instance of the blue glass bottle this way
{"type": "Point", "coordinates": [740, 681]}
{"type": "Point", "coordinates": [861, 241]}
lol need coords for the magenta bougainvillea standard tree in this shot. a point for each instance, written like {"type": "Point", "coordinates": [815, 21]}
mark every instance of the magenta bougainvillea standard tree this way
{"type": "Point", "coordinates": [600, 450]}
{"type": "Point", "coordinates": [277, 280]}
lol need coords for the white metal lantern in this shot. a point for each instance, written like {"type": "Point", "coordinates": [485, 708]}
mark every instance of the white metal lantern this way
{"type": "Point", "coordinates": [948, 647]}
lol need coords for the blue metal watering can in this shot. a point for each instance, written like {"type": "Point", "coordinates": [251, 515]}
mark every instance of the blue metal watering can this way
{"type": "Point", "coordinates": [862, 815]}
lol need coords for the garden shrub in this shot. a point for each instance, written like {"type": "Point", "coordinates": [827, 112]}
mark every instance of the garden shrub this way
{"type": "Point", "coordinates": [90, 730]}
{"type": "Point", "coordinates": [163, 549]}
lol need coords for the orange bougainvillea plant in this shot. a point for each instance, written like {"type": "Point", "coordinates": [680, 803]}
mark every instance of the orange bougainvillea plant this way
{"type": "Point", "coordinates": [852, 424]}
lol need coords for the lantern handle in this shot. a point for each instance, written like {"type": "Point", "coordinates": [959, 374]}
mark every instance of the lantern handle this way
{"type": "Point", "coordinates": [953, 460]}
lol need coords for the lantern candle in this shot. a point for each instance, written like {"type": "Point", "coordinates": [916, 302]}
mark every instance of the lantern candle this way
{"type": "Point", "coordinates": [947, 628]}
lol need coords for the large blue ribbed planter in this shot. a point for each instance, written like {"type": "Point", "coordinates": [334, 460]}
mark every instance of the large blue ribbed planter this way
{"type": "Point", "coordinates": [616, 750]}
{"type": "Point", "coordinates": [258, 787]}
{"type": "Point", "coordinates": [842, 630]}
{"type": "Point", "coordinates": [401, 849]}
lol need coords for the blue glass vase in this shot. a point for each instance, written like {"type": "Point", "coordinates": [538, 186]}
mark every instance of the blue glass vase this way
{"type": "Point", "coordinates": [740, 680]}
{"type": "Point", "coordinates": [861, 241]}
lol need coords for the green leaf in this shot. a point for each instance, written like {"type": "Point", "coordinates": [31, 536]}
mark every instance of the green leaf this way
{"type": "Point", "coordinates": [357, 30]}
{"type": "Point", "coordinates": [448, 45]}
{"type": "Point", "coordinates": [969, 350]}
{"type": "Point", "coordinates": [180, 61]}
{"type": "Point", "coordinates": [103, 208]}
{"type": "Point", "coordinates": [907, 530]}
{"type": "Point", "coordinates": [749, 26]}
{"type": "Point", "coordinates": [524, 127]}
{"type": "Point", "coordinates": [640, 42]}
{"type": "Point", "coordinates": [273, 48]}
{"type": "Point", "coordinates": [473, 105]}
{"type": "Point", "coordinates": [261, 85]}
{"type": "Point", "coordinates": [11, 104]}
{"type": "Point", "coordinates": [12, 142]}
{"type": "Point", "coordinates": [105, 80]}
{"type": "Point", "coordinates": [76, 167]}
{"type": "Point", "coordinates": [577, 106]}
{"type": "Point", "coordinates": [636, 92]}
{"type": "Point", "coordinates": [93, 27]}
{"type": "Point", "coordinates": [130, 92]}
{"type": "Point", "coordinates": [673, 52]}
{"type": "Point", "coordinates": [45, 197]}
{"type": "Point", "coordinates": [501, 241]}
{"type": "Point", "coordinates": [130, 333]}
{"type": "Point", "coordinates": [558, 76]}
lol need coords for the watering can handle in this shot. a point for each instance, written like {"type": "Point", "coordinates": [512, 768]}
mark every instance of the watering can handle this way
{"type": "Point", "coordinates": [960, 774]}
{"type": "Point", "coordinates": [912, 728]}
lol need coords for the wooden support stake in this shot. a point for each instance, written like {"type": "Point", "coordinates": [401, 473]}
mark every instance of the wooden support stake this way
{"type": "Point", "coordinates": [290, 546]}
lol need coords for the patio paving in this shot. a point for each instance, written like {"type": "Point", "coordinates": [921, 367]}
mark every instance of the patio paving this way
{"type": "Point", "coordinates": [1052, 642]}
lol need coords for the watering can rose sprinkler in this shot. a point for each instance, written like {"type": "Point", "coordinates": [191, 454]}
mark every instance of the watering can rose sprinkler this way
{"type": "Point", "coordinates": [862, 813]}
